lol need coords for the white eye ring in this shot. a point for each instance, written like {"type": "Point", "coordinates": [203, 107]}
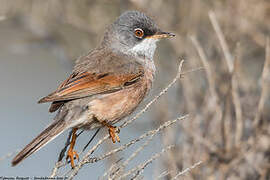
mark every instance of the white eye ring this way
{"type": "Point", "coordinates": [138, 32]}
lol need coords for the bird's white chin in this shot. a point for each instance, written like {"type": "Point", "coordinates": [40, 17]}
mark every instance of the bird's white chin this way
{"type": "Point", "coordinates": [144, 49]}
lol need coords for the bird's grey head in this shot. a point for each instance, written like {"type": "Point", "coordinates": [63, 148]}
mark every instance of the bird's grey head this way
{"type": "Point", "coordinates": [135, 34]}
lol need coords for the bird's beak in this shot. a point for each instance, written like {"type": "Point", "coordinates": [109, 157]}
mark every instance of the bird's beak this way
{"type": "Point", "coordinates": [161, 35]}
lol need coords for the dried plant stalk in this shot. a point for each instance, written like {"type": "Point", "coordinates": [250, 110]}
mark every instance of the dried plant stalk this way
{"type": "Point", "coordinates": [264, 84]}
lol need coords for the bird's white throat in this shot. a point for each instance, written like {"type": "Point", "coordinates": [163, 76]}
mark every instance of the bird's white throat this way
{"type": "Point", "coordinates": [144, 49]}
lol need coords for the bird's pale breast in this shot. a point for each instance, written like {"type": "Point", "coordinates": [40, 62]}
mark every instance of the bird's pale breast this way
{"type": "Point", "coordinates": [115, 106]}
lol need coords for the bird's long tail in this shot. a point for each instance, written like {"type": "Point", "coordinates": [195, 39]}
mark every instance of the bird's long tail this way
{"type": "Point", "coordinates": [51, 132]}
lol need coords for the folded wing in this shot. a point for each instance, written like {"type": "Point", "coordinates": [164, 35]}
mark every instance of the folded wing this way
{"type": "Point", "coordinates": [88, 84]}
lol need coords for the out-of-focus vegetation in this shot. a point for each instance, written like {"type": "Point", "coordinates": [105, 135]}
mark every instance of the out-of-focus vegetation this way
{"type": "Point", "coordinates": [228, 102]}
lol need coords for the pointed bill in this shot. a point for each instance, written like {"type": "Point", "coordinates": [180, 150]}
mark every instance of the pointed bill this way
{"type": "Point", "coordinates": [161, 35]}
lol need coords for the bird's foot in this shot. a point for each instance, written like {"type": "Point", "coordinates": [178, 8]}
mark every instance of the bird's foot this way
{"type": "Point", "coordinates": [114, 131]}
{"type": "Point", "coordinates": [71, 153]}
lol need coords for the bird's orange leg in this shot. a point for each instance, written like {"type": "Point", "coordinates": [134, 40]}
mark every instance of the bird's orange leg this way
{"type": "Point", "coordinates": [113, 131]}
{"type": "Point", "coordinates": [71, 152]}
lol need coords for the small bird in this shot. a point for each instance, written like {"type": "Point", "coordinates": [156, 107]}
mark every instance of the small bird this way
{"type": "Point", "coordinates": [105, 85]}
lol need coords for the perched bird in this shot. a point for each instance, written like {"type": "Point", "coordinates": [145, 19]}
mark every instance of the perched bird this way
{"type": "Point", "coordinates": [106, 85]}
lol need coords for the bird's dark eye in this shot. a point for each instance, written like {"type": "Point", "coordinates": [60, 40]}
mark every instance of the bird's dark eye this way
{"type": "Point", "coordinates": [138, 32]}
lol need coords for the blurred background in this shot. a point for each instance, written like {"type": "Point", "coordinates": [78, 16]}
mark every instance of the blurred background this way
{"type": "Point", "coordinates": [229, 125]}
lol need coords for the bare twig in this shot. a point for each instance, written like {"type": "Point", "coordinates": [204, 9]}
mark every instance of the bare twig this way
{"type": "Point", "coordinates": [224, 46]}
{"type": "Point", "coordinates": [192, 70]}
{"type": "Point", "coordinates": [163, 174]}
{"type": "Point", "coordinates": [206, 65]}
{"type": "Point", "coordinates": [55, 168]}
{"type": "Point", "coordinates": [113, 169]}
{"type": "Point", "coordinates": [125, 146]}
{"type": "Point", "coordinates": [264, 84]}
{"type": "Point", "coordinates": [186, 170]}
{"type": "Point", "coordinates": [151, 133]}
{"type": "Point", "coordinates": [132, 156]}
{"type": "Point", "coordinates": [236, 99]}
{"type": "Point", "coordinates": [138, 169]}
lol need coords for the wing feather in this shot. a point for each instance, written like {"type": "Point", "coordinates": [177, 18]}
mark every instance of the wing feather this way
{"type": "Point", "coordinates": [88, 84]}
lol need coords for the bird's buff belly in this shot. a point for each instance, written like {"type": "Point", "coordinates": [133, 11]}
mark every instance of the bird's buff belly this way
{"type": "Point", "coordinates": [111, 108]}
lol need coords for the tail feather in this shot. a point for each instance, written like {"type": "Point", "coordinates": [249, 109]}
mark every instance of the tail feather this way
{"type": "Point", "coordinates": [51, 132]}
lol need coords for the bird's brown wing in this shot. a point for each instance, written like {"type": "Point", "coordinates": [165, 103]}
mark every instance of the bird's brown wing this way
{"type": "Point", "coordinates": [100, 71]}
{"type": "Point", "coordinates": [88, 84]}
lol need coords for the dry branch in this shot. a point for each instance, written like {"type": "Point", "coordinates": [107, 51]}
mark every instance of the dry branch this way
{"type": "Point", "coordinates": [186, 170]}
{"type": "Point", "coordinates": [123, 165]}
{"type": "Point", "coordinates": [236, 99]}
{"type": "Point", "coordinates": [223, 43]}
{"type": "Point", "coordinates": [151, 133]}
{"type": "Point", "coordinates": [264, 84]}
{"type": "Point", "coordinates": [125, 146]}
{"type": "Point", "coordinates": [138, 170]}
